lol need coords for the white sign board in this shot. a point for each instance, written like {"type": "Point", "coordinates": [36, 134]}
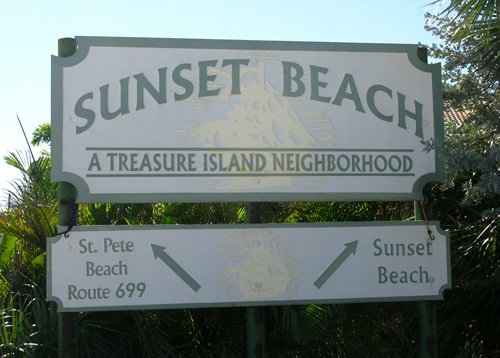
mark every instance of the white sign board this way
{"type": "Point", "coordinates": [131, 267]}
{"type": "Point", "coordinates": [148, 120]}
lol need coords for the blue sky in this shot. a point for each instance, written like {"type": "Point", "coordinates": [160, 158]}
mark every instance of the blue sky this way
{"type": "Point", "coordinates": [29, 31]}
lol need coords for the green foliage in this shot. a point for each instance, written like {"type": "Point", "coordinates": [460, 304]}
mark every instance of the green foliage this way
{"type": "Point", "coordinates": [468, 204]}
{"type": "Point", "coordinates": [470, 49]}
{"type": "Point", "coordinates": [472, 24]}
{"type": "Point", "coordinates": [14, 333]}
{"type": "Point", "coordinates": [350, 211]}
{"type": "Point", "coordinates": [29, 323]}
{"type": "Point", "coordinates": [41, 135]}
{"type": "Point", "coordinates": [32, 212]}
{"type": "Point", "coordinates": [158, 213]}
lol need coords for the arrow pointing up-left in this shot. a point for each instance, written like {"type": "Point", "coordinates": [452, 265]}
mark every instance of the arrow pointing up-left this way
{"type": "Point", "coordinates": [159, 252]}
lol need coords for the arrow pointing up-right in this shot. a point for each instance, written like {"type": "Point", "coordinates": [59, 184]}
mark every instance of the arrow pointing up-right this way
{"type": "Point", "coordinates": [350, 248]}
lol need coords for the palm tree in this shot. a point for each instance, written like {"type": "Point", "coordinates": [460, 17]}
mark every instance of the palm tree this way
{"type": "Point", "coordinates": [29, 323]}
{"type": "Point", "coordinates": [475, 22]}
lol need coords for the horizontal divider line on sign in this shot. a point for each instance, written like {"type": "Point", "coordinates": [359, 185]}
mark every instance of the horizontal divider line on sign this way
{"type": "Point", "coordinates": [250, 175]}
{"type": "Point", "coordinates": [250, 149]}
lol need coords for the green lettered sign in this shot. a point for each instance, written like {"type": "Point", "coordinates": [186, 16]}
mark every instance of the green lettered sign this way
{"type": "Point", "coordinates": [146, 267]}
{"type": "Point", "coordinates": [145, 120]}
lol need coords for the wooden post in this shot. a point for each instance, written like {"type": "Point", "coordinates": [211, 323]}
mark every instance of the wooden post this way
{"type": "Point", "coordinates": [255, 316]}
{"type": "Point", "coordinates": [67, 216]}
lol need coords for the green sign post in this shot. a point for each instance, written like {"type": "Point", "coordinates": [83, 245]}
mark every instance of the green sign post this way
{"type": "Point", "coordinates": [426, 310]}
{"type": "Point", "coordinates": [67, 216]}
{"type": "Point", "coordinates": [255, 316]}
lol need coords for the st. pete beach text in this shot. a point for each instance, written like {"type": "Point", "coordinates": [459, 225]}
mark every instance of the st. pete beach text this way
{"type": "Point", "coordinates": [93, 269]}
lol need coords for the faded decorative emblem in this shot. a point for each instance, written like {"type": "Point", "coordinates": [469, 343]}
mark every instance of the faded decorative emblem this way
{"type": "Point", "coordinates": [257, 266]}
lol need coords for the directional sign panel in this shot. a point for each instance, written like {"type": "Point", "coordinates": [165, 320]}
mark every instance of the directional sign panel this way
{"type": "Point", "coordinates": [147, 267]}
